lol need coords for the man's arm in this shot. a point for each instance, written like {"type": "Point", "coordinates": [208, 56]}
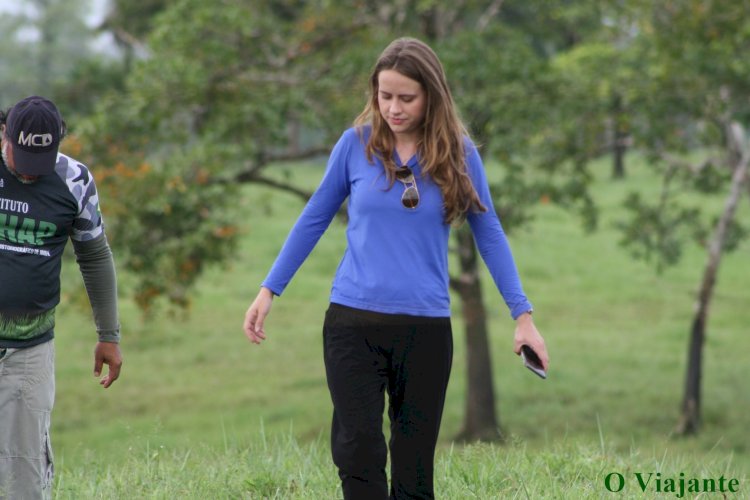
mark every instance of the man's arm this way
{"type": "Point", "coordinates": [97, 266]}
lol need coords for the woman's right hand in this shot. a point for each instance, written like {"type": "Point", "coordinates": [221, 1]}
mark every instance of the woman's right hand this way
{"type": "Point", "coordinates": [256, 315]}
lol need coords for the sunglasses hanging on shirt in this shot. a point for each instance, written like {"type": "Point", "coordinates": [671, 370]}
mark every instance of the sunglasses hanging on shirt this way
{"type": "Point", "coordinates": [410, 197]}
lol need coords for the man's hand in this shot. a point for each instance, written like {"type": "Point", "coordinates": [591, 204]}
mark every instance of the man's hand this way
{"type": "Point", "coordinates": [107, 353]}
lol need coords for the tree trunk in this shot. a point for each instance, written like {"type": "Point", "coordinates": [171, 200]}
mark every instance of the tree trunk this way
{"type": "Point", "coordinates": [46, 48]}
{"type": "Point", "coordinates": [618, 168]}
{"type": "Point", "coordinates": [689, 421]}
{"type": "Point", "coordinates": [480, 418]}
{"type": "Point", "coordinates": [620, 137]}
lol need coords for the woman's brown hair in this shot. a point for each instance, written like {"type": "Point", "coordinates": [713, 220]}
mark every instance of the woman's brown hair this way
{"type": "Point", "coordinates": [441, 144]}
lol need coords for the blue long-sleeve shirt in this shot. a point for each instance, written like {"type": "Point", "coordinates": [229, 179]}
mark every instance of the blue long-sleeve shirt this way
{"type": "Point", "coordinates": [396, 260]}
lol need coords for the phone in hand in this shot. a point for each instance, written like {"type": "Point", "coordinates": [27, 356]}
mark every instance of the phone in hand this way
{"type": "Point", "coordinates": [532, 362]}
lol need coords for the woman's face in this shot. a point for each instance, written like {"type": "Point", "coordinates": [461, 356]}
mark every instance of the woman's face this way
{"type": "Point", "coordinates": [402, 103]}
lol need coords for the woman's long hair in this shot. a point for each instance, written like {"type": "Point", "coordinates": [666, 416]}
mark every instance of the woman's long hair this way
{"type": "Point", "coordinates": [441, 146]}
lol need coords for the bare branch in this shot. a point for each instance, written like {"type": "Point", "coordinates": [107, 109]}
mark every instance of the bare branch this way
{"type": "Point", "coordinates": [342, 213]}
{"type": "Point", "coordinates": [252, 175]}
{"type": "Point", "coordinates": [126, 39]}
{"type": "Point", "coordinates": [490, 12]}
{"type": "Point", "coordinates": [282, 186]}
{"type": "Point", "coordinates": [739, 179]}
{"type": "Point", "coordinates": [297, 155]}
{"type": "Point", "coordinates": [737, 140]}
{"type": "Point", "coordinates": [263, 160]}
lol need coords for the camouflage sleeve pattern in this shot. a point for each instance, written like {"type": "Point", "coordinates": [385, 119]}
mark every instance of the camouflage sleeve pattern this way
{"type": "Point", "coordinates": [88, 223]}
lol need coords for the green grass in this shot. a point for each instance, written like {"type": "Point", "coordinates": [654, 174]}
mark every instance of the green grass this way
{"type": "Point", "coordinates": [282, 467]}
{"type": "Point", "coordinates": [198, 409]}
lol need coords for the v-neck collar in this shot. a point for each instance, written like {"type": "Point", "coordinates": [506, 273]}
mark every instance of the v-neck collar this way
{"type": "Point", "coordinates": [411, 162]}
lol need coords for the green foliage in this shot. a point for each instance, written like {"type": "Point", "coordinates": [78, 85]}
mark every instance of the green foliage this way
{"type": "Point", "coordinates": [710, 179]}
{"type": "Point", "coordinates": [210, 104]}
{"type": "Point", "coordinates": [133, 20]}
{"type": "Point", "coordinates": [88, 81]}
{"type": "Point", "coordinates": [510, 121]}
{"type": "Point", "coordinates": [552, 26]}
{"type": "Point", "coordinates": [695, 81]}
{"type": "Point", "coordinates": [221, 92]}
{"type": "Point", "coordinates": [499, 85]}
{"type": "Point", "coordinates": [654, 232]}
{"type": "Point", "coordinates": [696, 72]}
{"type": "Point", "coordinates": [545, 87]}
{"type": "Point", "coordinates": [515, 197]}
{"type": "Point", "coordinates": [736, 234]}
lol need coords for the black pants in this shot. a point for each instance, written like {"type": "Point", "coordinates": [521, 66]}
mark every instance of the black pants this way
{"type": "Point", "coordinates": [366, 354]}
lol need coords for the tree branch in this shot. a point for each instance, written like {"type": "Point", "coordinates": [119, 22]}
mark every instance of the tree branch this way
{"type": "Point", "coordinates": [694, 168]}
{"type": "Point", "coordinates": [125, 38]}
{"type": "Point", "coordinates": [342, 213]}
{"type": "Point", "coordinates": [740, 146]}
{"type": "Point", "coordinates": [252, 175]}
{"type": "Point", "coordinates": [489, 13]}
{"type": "Point", "coordinates": [263, 160]}
{"type": "Point", "coordinates": [281, 186]}
{"type": "Point", "coordinates": [297, 155]}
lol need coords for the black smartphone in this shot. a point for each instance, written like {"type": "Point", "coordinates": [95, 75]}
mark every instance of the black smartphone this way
{"type": "Point", "coordinates": [531, 361]}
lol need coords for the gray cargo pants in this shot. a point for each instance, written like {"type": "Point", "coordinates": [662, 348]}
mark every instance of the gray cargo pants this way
{"type": "Point", "coordinates": [27, 393]}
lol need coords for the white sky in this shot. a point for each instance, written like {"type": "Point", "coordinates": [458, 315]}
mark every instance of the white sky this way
{"type": "Point", "coordinates": [103, 43]}
{"type": "Point", "coordinates": [98, 9]}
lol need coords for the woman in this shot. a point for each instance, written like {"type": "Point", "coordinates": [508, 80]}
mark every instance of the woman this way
{"type": "Point", "coordinates": [410, 172]}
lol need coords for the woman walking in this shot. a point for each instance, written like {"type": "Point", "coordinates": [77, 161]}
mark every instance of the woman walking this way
{"type": "Point", "coordinates": [410, 172]}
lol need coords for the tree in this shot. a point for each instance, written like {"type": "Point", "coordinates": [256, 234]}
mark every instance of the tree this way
{"type": "Point", "coordinates": [698, 81]}
{"type": "Point", "coordinates": [210, 108]}
{"type": "Point", "coordinates": [205, 112]}
{"type": "Point", "coordinates": [506, 86]}
{"type": "Point", "coordinates": [599, 105]}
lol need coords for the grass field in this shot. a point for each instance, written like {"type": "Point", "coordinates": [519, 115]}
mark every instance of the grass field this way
{"type": "Point", "coordinates": [199, 412]}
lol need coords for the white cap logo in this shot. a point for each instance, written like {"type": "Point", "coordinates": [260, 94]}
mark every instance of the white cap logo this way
{"type": "Point", "coordinates": [39, 140]}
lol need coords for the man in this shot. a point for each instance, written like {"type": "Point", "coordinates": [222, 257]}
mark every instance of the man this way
{"type": "Point", "coordinates": [45, 198]}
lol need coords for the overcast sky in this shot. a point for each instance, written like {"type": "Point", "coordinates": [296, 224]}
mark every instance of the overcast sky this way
{"type": "Point", "coordinates": [104, 43]}
{"type": "Point", "coordinates": [98, 8]}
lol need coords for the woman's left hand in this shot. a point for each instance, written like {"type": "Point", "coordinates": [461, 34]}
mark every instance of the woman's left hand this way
{"type": "Point", "coordinates": [527, 334]}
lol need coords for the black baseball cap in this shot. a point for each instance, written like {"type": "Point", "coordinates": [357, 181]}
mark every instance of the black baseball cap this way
{"type": "Point", "coordinates": [34, 126]}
